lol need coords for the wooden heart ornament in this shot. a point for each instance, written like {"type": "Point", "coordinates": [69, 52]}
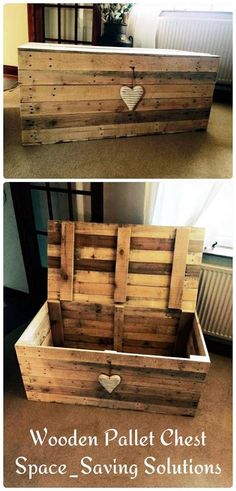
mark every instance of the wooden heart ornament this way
{"type": "Point", "coordinates": [131, 95]}
{"type": "Point", "coordinates": [109, 382]}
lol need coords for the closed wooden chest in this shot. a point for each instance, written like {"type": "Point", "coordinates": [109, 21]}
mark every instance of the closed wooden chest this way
{"type": "Point", "coordinates": [119, 329]}
{"type": "Point", "coordinates": [80, 93]}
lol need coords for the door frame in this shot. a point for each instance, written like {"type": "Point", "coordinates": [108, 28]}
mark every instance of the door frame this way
{"type": "Point", "coordinates": [23, 206]}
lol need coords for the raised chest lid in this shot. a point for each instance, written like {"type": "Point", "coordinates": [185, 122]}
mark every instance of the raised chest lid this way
{"type": "Point", "coordinates": [135, 265]}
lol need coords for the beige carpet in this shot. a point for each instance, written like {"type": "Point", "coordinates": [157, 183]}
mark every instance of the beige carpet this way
{"type": "Point", "coordinates": [187, 155]}
{"type": "Point", "coordinates": [213, 417]}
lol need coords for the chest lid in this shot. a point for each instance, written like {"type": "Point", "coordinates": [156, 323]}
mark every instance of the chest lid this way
{"type": "Point", "coordinates": [137, 266]}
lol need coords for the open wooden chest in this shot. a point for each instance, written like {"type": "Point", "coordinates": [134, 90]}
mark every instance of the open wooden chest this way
{"type": "Point", "coordinates": [87, 92]}
{"type": "Point", "coordinates": [119, 329]}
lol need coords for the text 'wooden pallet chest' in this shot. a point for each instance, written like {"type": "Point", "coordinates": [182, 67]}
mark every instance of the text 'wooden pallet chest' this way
{"type": "Point", "coordinates": [119, 328]}
{"type": "Point", "coordinates": [80, 93]}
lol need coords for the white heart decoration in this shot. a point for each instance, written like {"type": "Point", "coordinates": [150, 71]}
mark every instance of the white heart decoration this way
{"type": "Point", "coordinates": [109, 383]}
{"type": "Point", "coordinates": [131, 95]}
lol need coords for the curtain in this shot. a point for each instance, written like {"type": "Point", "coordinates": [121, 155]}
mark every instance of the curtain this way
{"type": "Point", "coordinates": [192, 203]}
{"type": "Point", "coordinates": [142, 24]}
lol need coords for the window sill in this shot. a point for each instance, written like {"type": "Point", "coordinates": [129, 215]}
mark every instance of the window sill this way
{"type": "Point", "coordinates": [219, 251]}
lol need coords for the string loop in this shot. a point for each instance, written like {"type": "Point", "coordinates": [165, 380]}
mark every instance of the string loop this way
{"type": "Point", "coordinates": [133, 75]}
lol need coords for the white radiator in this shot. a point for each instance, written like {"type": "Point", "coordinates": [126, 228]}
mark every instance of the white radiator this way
{"type": "Point", "coordinates": [203, 32]}
{"type": "Point", "coordinates": [214, 305]}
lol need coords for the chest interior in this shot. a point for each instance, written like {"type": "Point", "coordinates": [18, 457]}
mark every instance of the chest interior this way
{"type": "Point", "coordinates": [127, 288]}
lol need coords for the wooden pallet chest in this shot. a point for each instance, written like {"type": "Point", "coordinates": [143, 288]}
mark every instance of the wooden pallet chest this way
{"type": "Point", "coordinates": [119, 329]}
{"type": "Point", "coordinates": [81, 93]}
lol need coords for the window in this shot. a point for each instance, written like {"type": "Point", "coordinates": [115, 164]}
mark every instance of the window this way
{"type": "Point", "coordinates": [190, 203]}
{"type": "Point", "coordinates": [76, 23]}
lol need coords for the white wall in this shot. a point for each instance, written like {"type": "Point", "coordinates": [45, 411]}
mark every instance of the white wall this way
{"type": "Point", "coordinates": [14, 270]}
{"type": "Point", "coordinates": [124, 202]}
{"type": "Point", "coordinates": [15, 31]}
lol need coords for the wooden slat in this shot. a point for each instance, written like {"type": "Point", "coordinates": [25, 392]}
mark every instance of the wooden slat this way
{"type": "Point", "coordinates": [122, 263]}
{"type": "Point", "coordinates": [149, 280]}
{"type": "Point", "coordinates": [78, 77]}
{"type": "Point", "coordinates": [76, 120]}
{"type": "Point", "coordinates": [182, 367]}
{"type": "Point", "coordinates": [178, 268]}
{"type": "Point", "coordinates": [54, 308]}
{"type": "Point", "coordinates": [118, 327]}
{"type": "Point", "coordinates": [54, 135]}
{"type": "Point", "coordinates": [131, 382]}
{"type": "Point", "coordinates": [183, 332]}
{"type": "Point", "coordinates": [116, 105]}
{"type": "Point", "coordinates": [201, 345]}
{"type": "Point", "coordinates": [67, 260]}
{"type": "Point", "coordinates": [44, 93]}
{"type": "Point", "coordinates": [38, 60]}
{"type": "Point", "coordinates": [136, 255]}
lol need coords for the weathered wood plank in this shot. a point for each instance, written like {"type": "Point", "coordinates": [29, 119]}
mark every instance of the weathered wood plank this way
{"type": "Point", "coordinates": [68, 121]}
{"type": "Point", "coordinates": [76, 371]}
{"type": "Point", "coordinates": [165, 389]}
{"type": "Point", "coordinates": [38, 60]}
{"type": "Point", "coordinates": [116, 105]}
{"type": "Point", "coordinates": [112, 404]}
{"type": "Point", "coordinates": [78, 77]}
{"type": "Point", "coordinates": [121, 359]}
{"type": "Point", "coordinates": [44, 93]}
{"type": "Point", "coordinates": [88, 324]}
{"type": "Point", "coordinates": [56, 135]}
{"type": "Point", "coordinates": [118, 327]}
{"type": "Point", "coordinates": [201, 345]}
{"type": "Point", "coordinates": [67, 259]}
{"type": "Point", "coordinates": [135, 255]}
{"type": "Point", "coordinates": [54, 309]}
{"type": "Point", "coordinates": [180, 259]}
{"type": "Point", "coordinates": [122, 263]}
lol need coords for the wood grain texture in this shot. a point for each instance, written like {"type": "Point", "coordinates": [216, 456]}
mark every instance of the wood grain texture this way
{"type": "Point", "coordinates": [146, 278]}
{"type": "Point", "coordinates": [180, 259]}
{"type": "Point", "coordinates": [56, 321]}
{"type": "Point", "coordinates": [158, 386]}
{"type": "Point", "coordinates": [112, 106]}
{"type": "Point", "coordinates": [71, 94]}
{"type": "Point", "coordinates": [157, 353]}
{"type": "Point", "coordinates": [118, 327]}
{"type": "Point", "coordinates": [122, 263]}
{"type": "Point", "coordinates": [95, 119]}
{"type": "Point", "coordinates": [67, 260]}
{"type": "Point", "coordinates": [44, 93]}
{"type": "Point", "coordinates": [39, 136]}
{"type": "Point", "coordinates": [78, 77]}
{"type": "Point", "coordinates": [38, 60]}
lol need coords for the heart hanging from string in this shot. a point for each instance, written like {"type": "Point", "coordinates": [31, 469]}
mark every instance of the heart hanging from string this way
{"type": "Point", "coordinates": [109, 382]}
{"type": "Point", "coordinates": [131, 95]}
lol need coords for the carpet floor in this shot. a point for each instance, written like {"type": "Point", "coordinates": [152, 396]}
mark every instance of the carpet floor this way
{"type": "Point", "coordinates": [213, 417]}
{"type": "Point", "coordinates": [184, 155]}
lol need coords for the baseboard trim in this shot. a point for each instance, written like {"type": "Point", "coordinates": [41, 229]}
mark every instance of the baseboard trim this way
{"type": "Point", "coordinates": [10, 71]}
